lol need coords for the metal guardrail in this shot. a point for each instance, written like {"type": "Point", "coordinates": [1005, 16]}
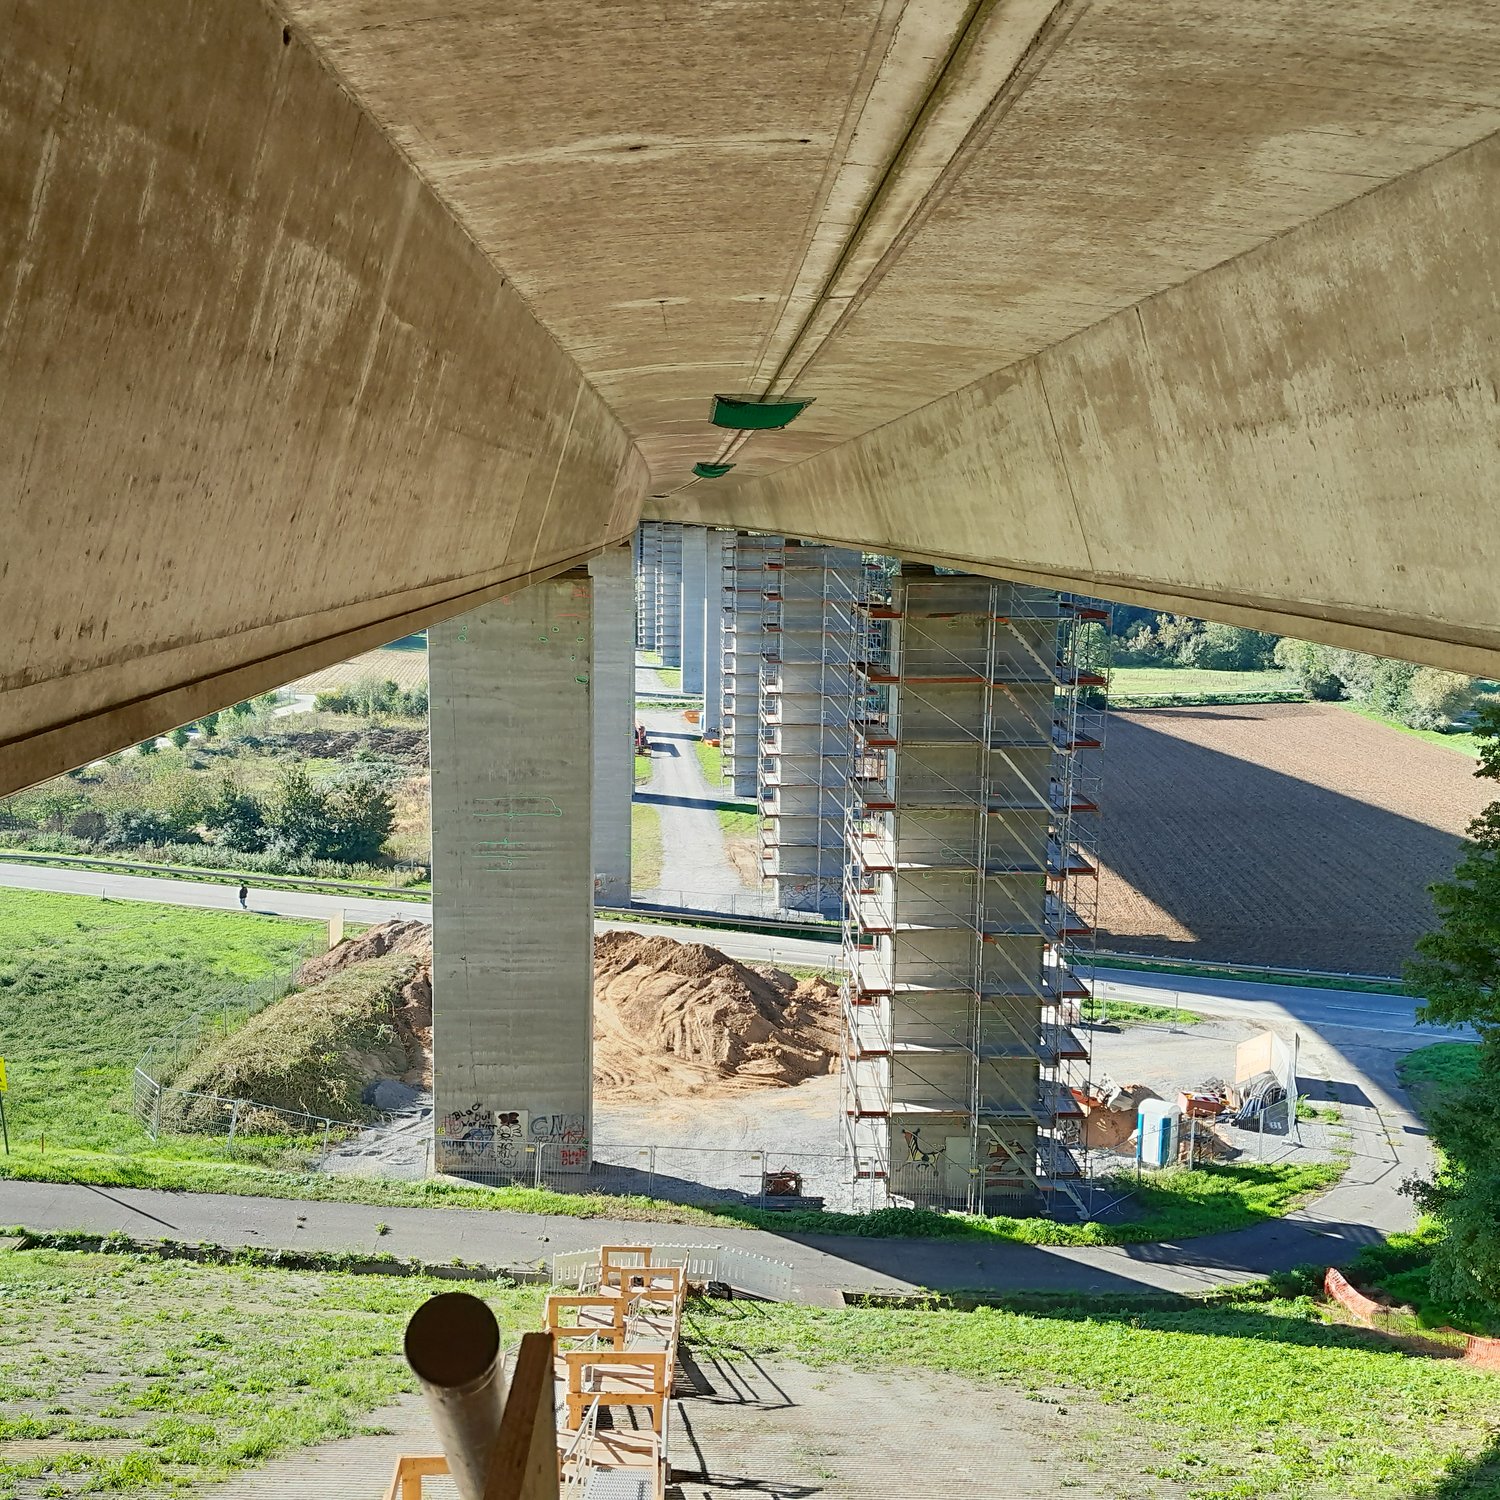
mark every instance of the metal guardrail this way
{"type": "Point", "coordinates": [99, 864]}
{"type": "Point", "coordinates": [1102, 959]}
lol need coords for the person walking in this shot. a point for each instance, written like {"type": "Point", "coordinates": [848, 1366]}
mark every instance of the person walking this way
{"type": "Point", "coordinates": [244, 896]}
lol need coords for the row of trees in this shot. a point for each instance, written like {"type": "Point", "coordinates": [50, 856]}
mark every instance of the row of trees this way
{"type": "Point", "coordinates": [375, 699]}
{"type": "Point", "coordinates": [346, 819]}
{"type": "Point", "coordinates": [1180, 641]}
{"type": "Point", "coordinates": [1424, 697]}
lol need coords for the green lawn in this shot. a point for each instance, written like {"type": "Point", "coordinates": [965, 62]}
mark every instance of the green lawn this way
{"type": "Point", "coordinates": [199, 1371]}
{"type": "Point", "coordinates": [645, 847]}
{"type": "Point", "coordinates": [642, 769]}
{"type": "Point", "coordinates": [711, 759]}
{"type": "Point", "coordinates": [1237, 1401]}
{"type": "Point", "coordinates": [670, 678]}
{"type": "Point", "coordinates": [1137, 1013]}
{"type": "Point", "coordinates": [190, 1373]}
{"type": "Point", "coordinates": [1430, 1072]}
{"type": "Point", "coordinates": [1191, 682]}
{"type": "Point", "coordinates": [742, 824]}
{"type": "Point", "coordinates": [86, 984]}
{"type": "Point", "coordinates": [1462, 744]}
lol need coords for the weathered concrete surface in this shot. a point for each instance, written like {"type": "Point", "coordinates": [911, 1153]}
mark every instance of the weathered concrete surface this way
{"type": "Point", "coordinates": [512, 968]}
{"type": "Point", "coordinates": [264, 402]}
{"type": "Point", "coordinates": [320, 321]}
{"type": "Point", "coordinates": [1304, 440]}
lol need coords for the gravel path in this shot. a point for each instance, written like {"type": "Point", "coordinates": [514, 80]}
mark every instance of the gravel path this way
{"type": "Point", "coordinates": [695, 868]}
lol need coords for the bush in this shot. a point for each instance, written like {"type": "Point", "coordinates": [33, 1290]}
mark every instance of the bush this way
{"type": "Point", "coordinates": [1438, 698]}
{"type": "Point", "coordinates": [238, 817]}
{"type": "Point", "coordinates": [127, 829]}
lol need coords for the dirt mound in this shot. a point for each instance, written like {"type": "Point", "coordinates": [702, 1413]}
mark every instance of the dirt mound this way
{"type": "Point", "coordinates": [376, 942]}
{"type": "Point", "coordinates": [322, 1049]}
{"type": "Point", "coordinates": [676, 1018]}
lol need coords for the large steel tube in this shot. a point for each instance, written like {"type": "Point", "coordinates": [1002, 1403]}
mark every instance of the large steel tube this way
{"type": "Point", "coordinates": [453, 1347]}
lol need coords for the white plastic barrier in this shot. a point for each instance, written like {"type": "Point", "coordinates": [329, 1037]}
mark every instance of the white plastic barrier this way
{"type": "Point", "coordinates": [744, 1270]}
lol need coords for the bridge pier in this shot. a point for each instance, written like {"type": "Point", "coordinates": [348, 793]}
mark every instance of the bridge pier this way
{"type": "Point", "coordinates": [512, 972]}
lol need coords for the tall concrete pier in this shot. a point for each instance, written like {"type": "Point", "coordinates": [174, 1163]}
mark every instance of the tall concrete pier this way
{"type": "Point", "coordinates": [694, 601]}
{"type": "Point", "coordinates": [512, 973]}
{"type": "Point", "coordinates": [612, 684]}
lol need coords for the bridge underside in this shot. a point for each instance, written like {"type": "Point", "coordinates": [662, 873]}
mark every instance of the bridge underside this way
{"type": "Point", "coordinates": [323, 320]}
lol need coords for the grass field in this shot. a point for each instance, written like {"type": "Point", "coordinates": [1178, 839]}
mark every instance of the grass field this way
{"type": "Point", "coordinates": [1430, 1072]}
{"type": "Point", "coordinates": [645, 847]}
{"type": "Point", "coordinates": [1239, 1401]}
{"type": "Point", "coordinates": [642, 769]}
{"type": "Point", "coordinates": [711, 761]}
{"type": "Point", "coordinates": [1137, 1013]}
{"type": "Point", "coordinates": [1191, 682]}
{"type": "Point", "coordinates": [1462, 744]}
{"type": "Point", "coordinates": [86, 984]}
{"type": "Point", "coordinates": [152, 1376]}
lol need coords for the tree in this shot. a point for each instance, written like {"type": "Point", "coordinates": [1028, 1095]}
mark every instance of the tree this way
{"type": "Point", "coordinates": [1309, 663]}
{"type": "Point", "coordinates": [348, 822]}
{"type": "Point", "coordinates": [209, 724]}
{"type": "Point", "coordinates": [148, 747]}
{"type": "Point", "coordinates": [237, 817]}
{"type": "Point", "coordinates": [179, 736]}
{"type": "Point", "coordinates": [361, 815]}
{"type": "Point", "coordinates": [297, 817]}
{"type": "Point", "coordinates": [1227, 648]}
{"type": "Point", "coordinates": [1456, 971]}
{"type": "Point", "coordinates": [1438, 698]}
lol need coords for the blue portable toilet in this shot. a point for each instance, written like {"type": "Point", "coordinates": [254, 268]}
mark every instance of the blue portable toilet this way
{"type": "Point", "coordinates": [1156, 1133]}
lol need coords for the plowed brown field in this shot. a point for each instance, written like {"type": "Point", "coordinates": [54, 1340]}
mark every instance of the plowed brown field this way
{"type": "Point", "coordinates": [1296, 834]}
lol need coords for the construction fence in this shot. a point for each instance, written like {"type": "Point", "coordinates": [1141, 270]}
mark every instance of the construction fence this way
{"type": "Point", "coordinates": [700, 1176]}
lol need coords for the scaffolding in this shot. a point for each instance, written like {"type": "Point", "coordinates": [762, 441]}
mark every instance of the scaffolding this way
{"type": "Point", "coordinates": [647, 578]}
{"type": "Point", "coordinates": [972, 882]}
{"type": "Point", "coordinates": [805, 692]}
{"type": "Point", "coordinates": [744, 606]}
{"type": "Point", "coordinates": [667, 593]}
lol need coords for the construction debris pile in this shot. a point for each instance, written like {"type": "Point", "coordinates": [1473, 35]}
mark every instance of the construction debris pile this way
{"type": "Point", "coordinates": [1111, 1110]}
{"type": "Point", "coordinates": [676, 1018]}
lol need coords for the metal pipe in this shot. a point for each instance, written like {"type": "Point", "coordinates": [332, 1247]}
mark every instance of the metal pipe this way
{"type": "Point", "coordinates": [453, 1348]}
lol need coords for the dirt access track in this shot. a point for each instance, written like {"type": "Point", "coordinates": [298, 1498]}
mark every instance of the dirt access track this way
{"type": "Point", "coordinates": [1297, 834]}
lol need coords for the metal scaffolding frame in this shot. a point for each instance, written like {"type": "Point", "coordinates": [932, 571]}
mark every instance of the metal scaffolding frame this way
{"type": "Point", "coordinates": [807, 633]}
{"type": "Point", "coordinates": [972, 883]}
{"type": "Point", "coordinates": [647, 580]}
{"type": "Point", "coordinates": [743, 603]}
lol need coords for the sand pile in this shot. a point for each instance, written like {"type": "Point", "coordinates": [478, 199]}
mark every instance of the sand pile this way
{"type": "Point", "coordinates": [676, 1018]}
